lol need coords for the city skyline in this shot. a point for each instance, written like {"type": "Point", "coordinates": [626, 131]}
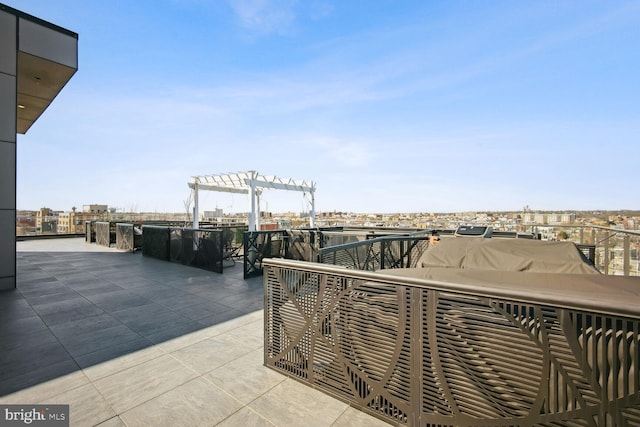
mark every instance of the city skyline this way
{"type": "Point", "coordinates": [404, 107]}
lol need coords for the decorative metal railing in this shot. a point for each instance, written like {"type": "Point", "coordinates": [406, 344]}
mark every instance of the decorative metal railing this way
{"type": "Point", "coordinates": [377, 253]}
{"type": "Point", "coordinates": [155, 242]}
{"type": "Point", "coordinates": [299, 244]}
{"type": "Point", "coordinates": [90, 231]}
{"type": "Point", "coordinates": [196, 248]}
{"type": "Point", "coordinates": [311, 245]}
{"type": "Point", "coordinates": [334, 238]}
{"type": "Point", "coordinates": [103, 233]}
{"type": "Point", "coordinates": [423, 353]}
{"type": "Point", "coordinates": [259, 245]}
{"type": "Point", "coordinates": [127, 239]}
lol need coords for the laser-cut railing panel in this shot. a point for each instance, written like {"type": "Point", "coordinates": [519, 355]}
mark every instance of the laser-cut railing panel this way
{"type": "Point", "coordinates": [103, 233]}
{"type": "Point", "coordinates": [202, 248]}
{"type": "Point", "coordinates": [128, 237]}
{"type": "Point", "coordinates": [420, 353]}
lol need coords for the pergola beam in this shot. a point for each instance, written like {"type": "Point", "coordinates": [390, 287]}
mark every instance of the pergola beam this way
{"type": "Point", "coordinates": [283, 186]}
{"type": "Point", "coordinates": [218, 188]}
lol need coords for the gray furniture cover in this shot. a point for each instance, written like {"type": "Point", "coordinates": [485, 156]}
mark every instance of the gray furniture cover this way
{"type": "Point", "coordinates": [507, 255]}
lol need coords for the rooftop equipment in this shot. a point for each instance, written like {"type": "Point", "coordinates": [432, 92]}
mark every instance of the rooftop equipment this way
{"type": "Point", "coordinates": [473, 231]}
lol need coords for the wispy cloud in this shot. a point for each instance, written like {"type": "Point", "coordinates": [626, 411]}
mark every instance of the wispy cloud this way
{"type": "Point", "coordinates": [350, 154]}
{"type": "Point", "coordinates": [265, 16]}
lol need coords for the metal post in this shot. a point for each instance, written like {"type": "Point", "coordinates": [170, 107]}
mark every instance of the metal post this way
{"type": "Point", "coordinates": [626, 255]}
{"type": "Point", "coordinates": [196, 214]}
{"type": "Point", "coordinates": [312, 214]}
{"type": "Point", "coordinates": [252, 195]}
{"type": "Point", "coordinates": [606, 252]}
{"type": "Point", "coordinates": [258, 192]}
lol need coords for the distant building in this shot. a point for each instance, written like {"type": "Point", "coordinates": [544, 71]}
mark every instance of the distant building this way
{"type": "Point", "coordinates": [74, 222]}
{"type": "Point", "coordinates": [45, 218]}
{"type": "Point", "coordinates": [212, 214]}
{"type": "Point", "coordinates": [548, 218]}
{"type": "Point", "coordinates": [25, 222]}
{"type": "Point", "coordinates": [95, 209]}
{"type": "Point", "coordinates": [65, 222]}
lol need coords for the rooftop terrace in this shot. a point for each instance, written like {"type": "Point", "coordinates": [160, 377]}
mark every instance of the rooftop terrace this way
{"type": "Point", "coordinates": [130, 340]}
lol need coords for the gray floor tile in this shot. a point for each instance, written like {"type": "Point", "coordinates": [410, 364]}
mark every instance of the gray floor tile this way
{"type": "Point", "coordinates": [171, 331]}
{"type": "Point", "coordinates": [113, 422]}
{"type": "Point", "coordinates": [41, 290]}
{"type": "Point", "coordinates": [155, 292]}
{"type": "Point", "coordinates": [115, 350]}
{"type": "Point", "coordinates": [202, 310]}
{"type": "Point", "coordinates": [245, 303]}
{"type": "Point", "coordinates": [117, 300]}
{"type": "Point", "coordinates": [79, 327]}
{"type": "Point", "coordinates": [86, 406]}
{"type": "Point", "coordinates": [15, 329]}
{"type": "Point", "coordinates": [354, 418]}
{"type": "Point", "coordinates": [195, 403]}
{"type": "Point", "coordinates": [153, 321]}
{"type": "Point", "coordinates": [68, 304]}
{"type": "Point", "coordinates": [95, 368]}
{"type": "Point", "coordinates": [9, 297]}
{"type": "Point", "coordinates": [218, 318]}
{"type": "Point", "coordinates": [289, 403]}
{"type": "Point", "coordinates": [29, 357]}
{"type": "Point", "coordinates": [99, 288]}
{"type": "Point", "coordinates": [182, 300]}
{"type": "Point", "coordinates": [105, 340]}
{"type": "Point", "coordinates": [212, 353]}
{"type": "Point", "coordinates": [245, 378]}
{"type": "Point", "coordinates": [43, 391]}
{"type": "Point", "coordinates": [63, 293]}
{"type": "Point", "coordinates": [25, 339]}
{"type": "Point", "coordinates": [71, 314]}
{"type": "Point", "coordinates": [247, 418]}
{"type": "Point", "coordinates": [140, 312]}
{"type": "Point", "coordinates": [38, 374]}
{"type": "Point", "coordinates": [29, 282]}
{"type": "Point", "coordinates": [136, 385]}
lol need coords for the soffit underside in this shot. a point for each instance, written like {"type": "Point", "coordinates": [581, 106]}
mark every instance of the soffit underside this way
{"type": "Point", "coordinates": [39, 82]}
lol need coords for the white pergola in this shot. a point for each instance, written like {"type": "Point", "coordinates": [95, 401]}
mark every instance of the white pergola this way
{"type": "Point", "coordinates": [251, 183]}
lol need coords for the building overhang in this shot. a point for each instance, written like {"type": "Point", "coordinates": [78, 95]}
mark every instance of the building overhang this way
{"type": "Point", "coordinates": [47, 58]}
{"type": "Point", "coordinates": [39, 82]}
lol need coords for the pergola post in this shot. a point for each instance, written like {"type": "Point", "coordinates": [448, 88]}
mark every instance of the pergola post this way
{"type": "Point", "coordinates": [312, 214]}
{"type": "Point", "coordinates": [257, 213]}
{"type": "Point", "coordinates": [252, 194]}
{"type": "Point", "coordinates": [196, 208]}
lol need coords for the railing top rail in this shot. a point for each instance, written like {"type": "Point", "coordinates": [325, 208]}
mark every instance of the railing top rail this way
{"type": "Point", "coordinates": [613, 295]}
{"type": "Point", "coordinates": [170, 227]}
{"type": "Point", "coordinates": [617, 230]}
{"type": "Point", "coordinates": [599, 227]}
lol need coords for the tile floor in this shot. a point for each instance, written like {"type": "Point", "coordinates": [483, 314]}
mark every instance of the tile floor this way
{"type": "Point", "coordinates": [128, 340]}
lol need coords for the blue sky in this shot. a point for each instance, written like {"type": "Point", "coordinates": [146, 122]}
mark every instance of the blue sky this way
{"type": "Point", "coordinates": [389, 106]}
